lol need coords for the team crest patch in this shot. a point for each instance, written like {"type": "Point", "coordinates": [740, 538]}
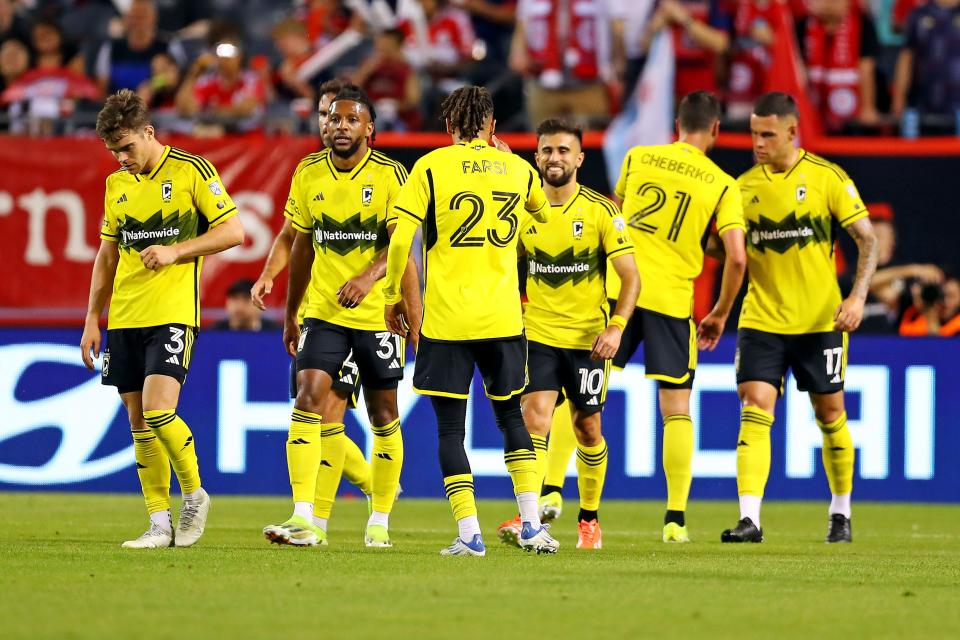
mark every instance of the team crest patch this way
{"type": "Point", "coordinates": [366, 195]}
{"type": "Point", "coordinates": [215, 188]}
{"type": "Point", "coordinates": [166, 190]}
{"type": "Point", "coordinates": [578, 228]}
{"type": "Point", "coordinates": [801, 193]}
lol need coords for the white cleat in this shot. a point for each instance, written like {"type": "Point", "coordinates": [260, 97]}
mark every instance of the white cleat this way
{"type": "Point", "coordinates": [460, 548]}
{"type": "Point", "coordinates": [193, 517]}
{"type": "Point", "coordinates": [538, 540]}
{"type": "Point", "coordinates": [156, 537]}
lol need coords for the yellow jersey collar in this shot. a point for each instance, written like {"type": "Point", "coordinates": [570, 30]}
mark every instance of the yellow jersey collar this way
{"type": "Point", "coordinates": [569, 203]}
{"type": "Point", "coordinates": [163, 158]}
{"type": "Point", "coordinates": [476, 142]}
{"type": "Point", "coordinates": [801, 152]}
{"type": "Point", "coordinates": [337, 173]}
{"type": "Point", "coordinates": [686, 146]}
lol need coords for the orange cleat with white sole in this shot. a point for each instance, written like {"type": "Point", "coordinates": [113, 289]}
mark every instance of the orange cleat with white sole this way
{"type": "Point", "coordinates": [509, 531]}
{"type": "Point", "coordinates": [590, 536]}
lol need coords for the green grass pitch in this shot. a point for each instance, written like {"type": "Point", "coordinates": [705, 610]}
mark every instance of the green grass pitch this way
{"type": "Point", "coordinates": [63, 575]}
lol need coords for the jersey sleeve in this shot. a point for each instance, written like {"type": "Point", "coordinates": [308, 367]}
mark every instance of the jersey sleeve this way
{"type": "Point", "coordinates": [614, 236]}
{"type": "Point", "coordinates": [109, 230]}
{"type": "Point", "coordinates": [621, 188]}
{"type": "Point", "coordinates": [730, 209]}
{"type": "Point", "coordinates": [211, 197]}
{"type": "Point", "coordinates": [395, 182]}
{"type": "Point", "coordinates": [413, 198]}
{"type": "Point", "coordinates": [536, 202]}
{"type": "Point", "coordinates": [844, 200]}
{"type": "Point", "coordinates": [295, 210]}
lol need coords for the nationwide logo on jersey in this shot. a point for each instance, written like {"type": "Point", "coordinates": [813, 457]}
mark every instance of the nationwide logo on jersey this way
{"type": "Point", "coordinates": [569, 267]}
{"type": "Point", "coordinates": [137, 236]}
{"type": "Point", "coordinates": [780, 236]}
{"type": "Point", "coordinates": [166, 190]}
{"type": "Point", "coordinates": [353, 233]}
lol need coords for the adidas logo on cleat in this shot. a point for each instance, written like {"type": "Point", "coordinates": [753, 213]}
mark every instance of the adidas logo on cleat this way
{"type": "Point", "coordinates": [173, 359]}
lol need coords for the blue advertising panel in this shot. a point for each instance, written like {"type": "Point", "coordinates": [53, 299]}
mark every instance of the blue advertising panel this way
{"type": "Point", "coordinates": [60, 429]}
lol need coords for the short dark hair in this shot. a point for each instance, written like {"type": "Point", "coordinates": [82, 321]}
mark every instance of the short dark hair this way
{"type": "Point", "coordinates": [353, 93]}
{"type": "Point", "coordinates": [698, 111]}
{"type": "Point", "coordinates": [466, 109]}
{"type": "Point", "coordinates": [240, 287]}
{"type": "Point", "coordinates": [123, 112]}
{"type": "Point", "coordinates": [334, 86]}
{"type": "Point", "coordinates": [559, 125]}
{"type": "Point", "coordinates": [776, 103]}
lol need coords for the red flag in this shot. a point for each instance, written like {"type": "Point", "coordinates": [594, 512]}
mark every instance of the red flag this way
{"type": "Point", "coordinates": [786, 72]}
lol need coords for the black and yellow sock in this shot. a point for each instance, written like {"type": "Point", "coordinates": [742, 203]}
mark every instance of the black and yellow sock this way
{"type": "Point", "coordinates": [386, 464]}
{"type": "Point", "coordinates": [591, 473]}
{"type": "Point", "coordinates": [304, 452]}
{"type": "Point", "coordinates": [540, 449]}
{"type": "Point", "coordinates": [459, 489]}
{"type": "Point", "coordinates": [153, 467]}
{"type": "Point", "coordinates": [560, 448]}
{"type": "Point", "coordinates": [522, 467]}
{"type": "Point", "coordinates": [177, 440]}
{"type": "Point", "coordinates": [356, 469]}
{"type": "Point", "coordinates": [839, 454]}
{"type": "Point", "coordinates": [332, 439]}
{"type": "Point", "coordinates": [678, 459]}
{"type": "Point", "coordinates": [753, 451]}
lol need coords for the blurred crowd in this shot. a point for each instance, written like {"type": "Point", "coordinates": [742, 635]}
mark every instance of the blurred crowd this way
{"type": "Point", "coordinates": [214, 66]}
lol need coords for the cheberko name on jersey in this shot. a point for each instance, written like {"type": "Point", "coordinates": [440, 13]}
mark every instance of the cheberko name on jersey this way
{"type": "Point", "coordinates": [669, 164]}
{"type": "Point", "coordinates": [496, 167]}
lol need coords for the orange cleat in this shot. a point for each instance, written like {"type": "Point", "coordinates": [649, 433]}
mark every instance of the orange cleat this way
{"type": "Point", "coordinates": [590, 536]}
{"type": "Point", "coordinates": [509, 531]}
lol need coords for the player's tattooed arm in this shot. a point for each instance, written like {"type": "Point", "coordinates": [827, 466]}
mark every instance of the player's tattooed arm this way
{"type": "Point", "coordinates": [850, 312]}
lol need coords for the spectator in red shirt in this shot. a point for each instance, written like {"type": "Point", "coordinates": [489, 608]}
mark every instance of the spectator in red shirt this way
{"type": "Point", "coordinates": [391, 83]}
{"type": "Point", "coordinates": [222, 93]}
{"type": "Point", "coordinates": [751, 53]}
{"type": "Point", "coordinates": [442, 43]}
{"type": "Point", "coordinates": [292, 40]}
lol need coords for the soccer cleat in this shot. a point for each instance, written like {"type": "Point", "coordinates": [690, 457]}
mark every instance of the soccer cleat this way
{"type": "Point", "coordinates": [377, 536]}
{"type": "Point", "coordinates": [509, 531]}
{"type": "Point", "coordinates": [673, 532]}
{"type": "Point", "coordinates": [460, 548]}
{"type": "Point", "coordinates": [551, 506]}
{"type": "Point", "coordinates": [156, 537]}
{"type": "Point", "coordinates": [193, 517]}
{"type": "Point", "coordinates": [589, 536]}
{"type": "Point", "coordinates": [538, 539]}
{"type": "Point", "coordinates": [296, 531]}
{"type": "Point", "coordinates": [745, 531]}
{"type": "Point", "coordinates": [839, 529]}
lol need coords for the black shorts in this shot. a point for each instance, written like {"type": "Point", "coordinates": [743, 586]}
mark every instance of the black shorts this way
{"type": "Point", "coordinates": [669, 347]}
{"type": "Point", "coordinates": [571, 372]}
{"type": "Point", "coordinates": [348, 384]}
{"type": "Point", "coordinates": [446, 368]}
{"type": "Point", "coordinates": [818, 360]}
{"type": "Point", "coordinates": [133, 354]}
{"type": "Point", "coordinates": [378, 355]}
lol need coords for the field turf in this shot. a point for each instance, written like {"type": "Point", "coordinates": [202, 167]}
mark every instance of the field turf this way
{"type": "Point", "coordinates": [63, 575]}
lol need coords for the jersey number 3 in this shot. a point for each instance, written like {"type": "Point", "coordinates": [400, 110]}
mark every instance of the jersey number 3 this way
{"type": "Point", "coordinates": [462, 237]}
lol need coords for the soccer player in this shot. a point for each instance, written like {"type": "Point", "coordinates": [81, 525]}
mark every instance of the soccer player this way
{"type": "Point", "coordinates": [339, 201]}
{"type": "Point", "coordinates": [571, 334]}
{"type": "Point", "coordinates": [793, 316]}
{"type": "Point", "coordinates": [471, 200]}
{"type": "Point", "coordinates": [672, 196]}
{"type": "Point", "coordinates": [164, 209]}
{"type": "Point", "coordinates": [341, 455]}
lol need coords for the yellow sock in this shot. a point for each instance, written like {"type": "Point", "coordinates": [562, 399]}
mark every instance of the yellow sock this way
{"type": "Point", "coordinates": [522, 466]}
{"type": "Point", "coordinates": [153, 467]}
{"type": "Point", "coordinates": [386, 464]}
{"type": "Point", "coordinates": [540, 449]}
{"type": "Point", "coordinates": [677, 459]}
{"type": "Point", "coordinates": [356, 469]}
{"type": "Point", "coordinates": [304, 454]}
{"type": "Point", "coordinates": [591, 472]}
{"type": "Point", "coordinates": [838, 455]}
{"type": "Point", "coordinates": [753, 451]}
{"type": "Point", "coordinates": [332, 439]}
{"type": "Point", "coordinates": [459, 490]}
{"type": "Point", "coordinates": [560, 448]}
{"type": "Point", "coordinates": [177, 440]}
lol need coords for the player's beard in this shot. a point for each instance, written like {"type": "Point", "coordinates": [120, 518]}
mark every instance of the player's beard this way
{"type": "Point", "coordinates": [349, 151]}
{"type": "Point", "coordinates": [562, 180]}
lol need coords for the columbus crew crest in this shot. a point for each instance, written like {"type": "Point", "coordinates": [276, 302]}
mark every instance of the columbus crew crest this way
{"type": "Point", "coordinates": [366, 195]}
{"type": "Point", "coordinates": [166, 190]}
{"type": "Point", "coordinates": [801, 193]}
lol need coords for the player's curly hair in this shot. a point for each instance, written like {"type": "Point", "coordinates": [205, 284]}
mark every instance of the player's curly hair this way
{"type": "Point", "coordinates": [466, 109]}
{"type": "Point", "coordinates": [122, 113]}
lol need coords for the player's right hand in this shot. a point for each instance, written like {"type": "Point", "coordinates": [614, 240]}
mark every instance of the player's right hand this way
{"type": "Point", "coordinates": [291, 336]}
{"type": "Point", "coordinates": [710, 330]}
{"type": "Point", "coordinates": [262, 287]}
{"type": "Point", "coordinates": [90, 345]}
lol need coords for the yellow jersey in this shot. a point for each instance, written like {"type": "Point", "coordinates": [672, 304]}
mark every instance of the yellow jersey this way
{"type": "Point", "coordinates": [566, 269]}
{"type": "Point", "coordinates": [471, 200]}
{"type": "Point", "coordinates": [672, 194]}
{"type": "Point", "coordinates": [180, 199]}
{"type": "Point", "coordinates": [791, 221]}
{"type": "Point", "coordinates": [345, 212]}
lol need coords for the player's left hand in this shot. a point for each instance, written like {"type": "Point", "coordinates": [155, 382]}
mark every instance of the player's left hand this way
{"type": "Point", "coordinates": [395, 315]}
{"type": "Point", "coordinates": [606, 344]}
{"type": "Point", "coordinates": [353, 291]}
{"type": "Point", "coordinates": [157, 256]}
{"type": "Point", "coordinates": [710, 330]}
{"type": "Point", "coordinates": [849, 314]}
